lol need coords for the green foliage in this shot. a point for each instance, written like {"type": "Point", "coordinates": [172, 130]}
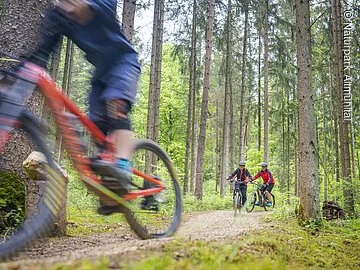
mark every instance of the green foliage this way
{"type": "Point", "coordinates": [12, 200]}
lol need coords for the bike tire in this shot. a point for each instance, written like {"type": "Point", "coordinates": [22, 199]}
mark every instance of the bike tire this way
{"type": "Point", "coordinates": [172, 192]}
{"type": "Point", "coordinates": [237, 202]}
{"type": "Point", "coordinates": [273, 200]}
{"type": "Point", "coordinates": [266, 208]}
{"type": "Point", "coordinates": [250, 204]}
{"type": "Point", "coordinates": [36, 224]}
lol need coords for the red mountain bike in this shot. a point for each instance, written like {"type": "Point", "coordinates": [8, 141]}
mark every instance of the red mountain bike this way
{"type": "Point", "coordinates": [153, 173]}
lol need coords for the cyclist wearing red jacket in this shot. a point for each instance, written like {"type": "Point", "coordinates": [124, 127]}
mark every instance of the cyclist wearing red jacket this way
{"type": "Point", "coordinates": [268, 180]}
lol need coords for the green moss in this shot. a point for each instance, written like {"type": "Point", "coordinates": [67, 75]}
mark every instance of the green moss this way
{"type": "Point", "coordinates": [12, 200]}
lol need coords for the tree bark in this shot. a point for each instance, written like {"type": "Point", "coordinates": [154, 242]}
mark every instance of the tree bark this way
{"type": "Point", "coordinates": [68, 65]}
{"type": "Point", "coordinates": [344, 129]}
{"type": "Point", "coordinates": [288, 145]}
{"type": "Point", "coordinates": [266, 81]}
{"type": "Point", "coordinates": [227, 98]}
{"type": "Point", "coordinates": [205, 101]}
{"type": "Point", "coordinates": [325, 143]}
{"type": "Point", "coordinates": [19, 24]}
{"type": "Point", "coordinates": [243, 87]}
{"type": "Point", "coordinates": [155, 80]}
{"type": "Point", "coordinates": [192, 69]}
{"type": "Point", "coordinates": [128, 17]}
{"type": "Point", "coordinates": [259, 94]}
{"type": "Point", "coordinates": [308, 150]}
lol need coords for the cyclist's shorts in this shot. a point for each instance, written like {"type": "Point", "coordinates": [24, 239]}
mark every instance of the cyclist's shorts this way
{"type": "Point", "coordinates": [270, 187]}
{"type": "Point", "coordinates": [120, 82]}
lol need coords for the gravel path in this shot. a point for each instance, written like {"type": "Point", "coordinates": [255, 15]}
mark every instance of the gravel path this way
{"type": "Point", "coordinates": [121, 243]}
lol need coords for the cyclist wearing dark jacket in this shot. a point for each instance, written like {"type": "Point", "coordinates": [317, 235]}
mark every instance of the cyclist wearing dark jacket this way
{"type": "Point", "coordinates": [242, 176]}
{"type": "Point", "coordinates": [268, 180]}
{"type": "Point", "coordinates": [93, 27]}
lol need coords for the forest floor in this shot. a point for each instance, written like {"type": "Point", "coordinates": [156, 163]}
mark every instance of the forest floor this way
{"type": "Point", "coordinates": [211, 240]}
{"type": "Point", "coordinates": [121, 244]}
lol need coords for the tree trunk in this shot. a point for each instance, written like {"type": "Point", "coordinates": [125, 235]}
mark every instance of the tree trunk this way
{"type": "Point", "coordinates": [288, 145]}
{"type": "Point", "coordinates": [225, 141]}
{"type": "Point", "coordinates": [192, 69]}
{"type": "Point", "coordinates": [231, 124]}
{"type": "Point", "coordinates": [353, 159]}
{"type": "Point", "coordinates": [218, 147]}
{"type": "Point", "coordinates": [266, 82]}
{"type": "Point", "coordinates": [19, 23]}
{"type": "Point", "coordinates": [259, 95]}
{"type": "Point", "coordinates": [308, 150]}
{"type": "Point", "coordinates": [65, 88]}
{"type": "Point", "coordinates": [325, 144]}
{"type": "Point", "coordinates": [338, 62]}
{"type": "Point", "coordinates": [243, 87]}
{"type": "Point", "coordinates": [205, 101]}
{"type": "Point", "coordinates": [155, 80]}
{"type": "Point", "coordinates": [128, 17]}
{"type": "Point", "coordinates": [195, 139]}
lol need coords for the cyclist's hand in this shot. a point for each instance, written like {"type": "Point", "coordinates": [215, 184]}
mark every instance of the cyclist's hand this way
{"type": "Point", "coordinates": [78, 10]}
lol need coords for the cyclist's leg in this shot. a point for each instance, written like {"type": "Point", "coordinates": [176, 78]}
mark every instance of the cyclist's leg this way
{"type": "Point", "coordinates": [97, 107]}
{"type": "Point", "coordinates": [263, 193]}
{"type": "Point", "coordinates": [268, 191]}
{"type": "Point", "coordinates": [243, 194]}
{"type": "Point", "coordinates": [119, 95]}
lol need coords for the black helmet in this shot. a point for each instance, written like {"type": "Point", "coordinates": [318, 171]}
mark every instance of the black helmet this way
{"type": "Point", "coordinates": [242, 163]}
{"type": "Point", "coordinates": [264, 164]}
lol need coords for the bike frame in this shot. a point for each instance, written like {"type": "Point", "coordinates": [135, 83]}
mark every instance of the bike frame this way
{"type": "Point", "coordinates": [58, 104]}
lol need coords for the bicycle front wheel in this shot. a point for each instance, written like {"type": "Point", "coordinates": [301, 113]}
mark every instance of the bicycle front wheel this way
{"type": "Point", "coordinates": [250, 204]}
{"type": "Point", "coordinates": [157, 215]}
{"type": "Point", "coordinates": [20, 227]}
{"type": "Point", "coordinates": [236, 202]}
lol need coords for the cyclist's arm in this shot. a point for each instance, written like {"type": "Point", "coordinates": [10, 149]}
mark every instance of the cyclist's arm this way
{"type": "Point", "coordinates": [105, 9]}
{"type": "Point", "coordinates": [257, 176]}
{"type": "Point", "coordinates": [248, 175]}
{"type": "Point", "coordinates": [270, 178]}
{"type": "Point", "coordinates": [232, 175]}
{"type": "Point", "coordinates": [54, 25]}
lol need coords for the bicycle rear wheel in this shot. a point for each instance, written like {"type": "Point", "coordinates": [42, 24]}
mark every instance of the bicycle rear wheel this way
{"type": "Point", "coordinates": [273, 200]}
{"type": "Point", "coordinates": [158, 215]}
{"type": "Point", "coordinates": [250, 204]}
{"type": "Point", "coordinates": [18, 230]}
{"type": "Point", "coordinates": [272, 203]}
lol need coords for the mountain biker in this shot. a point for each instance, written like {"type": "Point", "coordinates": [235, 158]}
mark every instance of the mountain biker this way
{"type": "Point", "coordinates": [242, 176]}
{"type": "Point", "coordinates": [93, 27]}
{"type": "Point", "coordinates": [268, 181]}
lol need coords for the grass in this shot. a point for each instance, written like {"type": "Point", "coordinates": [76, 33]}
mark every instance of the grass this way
{"type": "Point", "coordinates": [285, 246]}
{"type": "Point", "coordinates": [82, 216]}
{"type": "Point", "coordinates": [83, 219]}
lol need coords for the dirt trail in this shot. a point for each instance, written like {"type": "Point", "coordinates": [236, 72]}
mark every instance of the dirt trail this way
{"type": "Point", "coordinates": [212, 225]}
